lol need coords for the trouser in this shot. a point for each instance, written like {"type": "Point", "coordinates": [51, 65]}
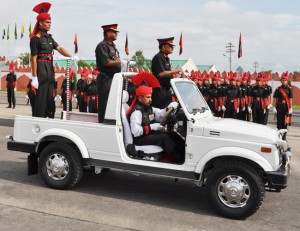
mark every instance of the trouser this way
{"type": "Point", "coordinates": [242, 114]}
{"type": "Point", "coordinates": [103, 88]}
{"type": "Point", "coordinates": [92, 106]}
{"type": "Point", "coordinates": [82, 105]}
{"type": "Point", "coordinates": [32, 104]}
{"type": "Point", "coordinates": [52, 108]}
{"type": "Point", "coordinates": [64, 101]}
{"type": "Point", "coordinates": [230, 111]}
{"type": "Point", "coordinates": [282, 111]}
{"type": "Point", "coordinates": [11, 95]}
{"type": "Point", "coordinates": [161, 97]}
{"type": "Point", "coordinates": [212, 107]}
{"type": "Point", "coordinates": [164, 140]}
{"type": "Point", "coordinates": [266, 115]}
{"type": "Point", "coordinates": [258, 113]}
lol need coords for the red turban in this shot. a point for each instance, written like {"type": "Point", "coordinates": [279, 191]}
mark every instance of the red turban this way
{"type": "Point", "coordinates": [143, 90]}
{"type": "Point", "coordinates": [42, 9]}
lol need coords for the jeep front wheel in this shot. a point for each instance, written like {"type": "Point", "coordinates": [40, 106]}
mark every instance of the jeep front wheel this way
{"type": "Point", "coordinates": [235, 189]}
{"type": "Point", "coordinates": [60, 165]}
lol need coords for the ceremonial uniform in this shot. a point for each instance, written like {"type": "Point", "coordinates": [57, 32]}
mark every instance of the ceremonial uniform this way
{"type": "Point", "coordinates": [31, 92]}
{"type": "Point", "coordinates": [232, 95]}
{"type": "Point", "coordinates": [11, 79]}
{"type": "Point", "coordinates": [258, 104]}
{"type": "Point", "coordinates": [64, 94]}
{"type": "Point", "coordinates": [105, 52]}
{"type": "Point", "coordinates": [268, 90]}
{"type": "Point", "coordinates": [249, 93]}
{"type": "Point", "coordinates": [214, 96]}
{"type": "Point", "coordinates": [82, 94]}
{"type": "Point", "coordinates": [92, 96]}
{"type": "Point", "coordinates": [244, 102]}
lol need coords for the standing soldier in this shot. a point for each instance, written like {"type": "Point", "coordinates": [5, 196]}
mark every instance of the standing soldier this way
{"type": "Point", "coordinates": [249, 96]}
{"type": "Point", "coordinates": [31, 92]}
{"type": "Point", "coordinates": [11, 79]}
{"type": "Point", "coordinates": [201, 86]}
{"type": "Point", "coordinates": [215, 96]}
{"type": "Point", "coordinates": [64, 91]}
{"type": "Point", "coordinates": [268, 99]}
{"type": "Point", "coordinates": [244, 98]}
{"type": "Point", "coordinates": [92, 95]}
{"type": "Point", "coordinates": [283, 99]}
{"type": "Point", "coordinates": [258, 101]}
{"type": "Point", "coordinates": [108, 63]}
{"type": "Point", "coordinates": [224, 86]}
{"type": "Point", "coordinates": [42, 45]}
{"type": "Point", "coordinates": [161, 69]}
{"type": "Point", "coordinates": [206, 85]}
{"type": "Point", "coordinates": [232, 96]}
{"type": "Point", "coordinates": [81, 92]}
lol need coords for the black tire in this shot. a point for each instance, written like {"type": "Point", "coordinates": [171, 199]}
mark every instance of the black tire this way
{"type": "Point", "coordinates": [235, 189]}
{"type": "Point", "coordinates": [64, 163]}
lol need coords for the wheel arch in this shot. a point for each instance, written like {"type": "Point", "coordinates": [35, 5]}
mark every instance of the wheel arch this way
{"type": "Point", "coordinates": [61, 135]}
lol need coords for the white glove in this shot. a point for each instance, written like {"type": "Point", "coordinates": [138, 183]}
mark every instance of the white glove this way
{"type": "Point", "coordinates": [27, 97]}
{"type": "Point", "coordinates": [219, 108]}
{"type": "Point", "coordinates": [125, 62]}
{"type": "Point", "coordinates": [223, 108]}
{"type": "Point", "coordinates": [291, 111]}
{"type": "Point", "coordinates": [270, 106]}
{"type": "Point", "coordinates": [56, 98]}
{"type": "Point", "coordinates": [237, 110]}
{"type": "Point", "coordinates": [274, 110]}
{"type": "Point", "coordinates": [35, 82]}
{"type": "Point", "coordinates": [75, 58]}
{"type": "Point", "coordinates": [59, 97]}
{"type": "Point", "coordinates": [173, 105]}
{"type": "Point", "coordinates": [156, 127]}
{"type": "Point", "coordinates": [15, 89]}
{"type": "Point", "coordinates": [249, 110]}
{"type": "Point", "coordinates": [74, 95]}
{"type": "Point", "coordinates": [264, 111]}
{"type": "Point", "coordinates": [243, 109]}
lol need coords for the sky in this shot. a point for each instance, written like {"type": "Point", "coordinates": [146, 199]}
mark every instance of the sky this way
{"type": "Point", "coordinates": [270, 29]}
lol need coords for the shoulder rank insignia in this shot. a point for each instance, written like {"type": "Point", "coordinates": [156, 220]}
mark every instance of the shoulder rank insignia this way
{"type": "Point", "coordinates": [38, 35]}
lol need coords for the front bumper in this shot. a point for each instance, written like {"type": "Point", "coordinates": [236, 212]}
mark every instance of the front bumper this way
{"type": "Point", "coordinates": [278, 180]}
{"type": "Point", "coordinates": [21, 147]}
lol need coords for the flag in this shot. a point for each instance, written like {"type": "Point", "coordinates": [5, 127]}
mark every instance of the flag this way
{"type": "Point", "coordinates": [16, 33]}
{"type": "Point", "coordinates": [22, 30]}
{"type": "Point", "coordinates": [180, 44]}
{"type": "Point", "coordinates": [240, 54]}
{"type": "Point", "coordinates": [7, 35]}
{"type": "Point", "coordinates": [30, 31]}
{"type": "Point", "coordinates": [76, 44]}
{"type": "Point", "coordinates": [3, 35]}
{"type": "Point", "coordinates": [126, 46]}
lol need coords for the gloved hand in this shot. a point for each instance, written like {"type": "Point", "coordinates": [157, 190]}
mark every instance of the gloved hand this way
{"type": "Point", "coordinates": [125, 62]}
{"type": "Point", "coordinates": [237, 110]}
{"type": "Point", "coordinates": [35, 82]}
{"type": "Point", "coordinates": [291, 111]}
{"type": "Point", "coordinates": [223, 108]}
{"type": "Point", "coordinates": [173, 105]}
{"type": "Point", "coordinates": [219, 108]}
{"type": "Point", "coordinates": [274, 110]}
{"type": "Point", "coordinates": [249, 110]}
{"type": "Point", "coordinates": [56, 98]}
{"type": "Point", "coordinates": [244, 108]}
{"type": "Point", "coordinates": [27, 97]}
{"type": "Point", "coordinates": [74, 95]}
{"type": "Point", "coordinates": [264, 111]}
{"type": "Point", "coordinates": [156, 127]}
{"type": "Point", "coordinates": [270, 106]}
{"type": "Point", "coordinates": [75, 58]}
{"type": "Point", "coordinates": [15, 89]}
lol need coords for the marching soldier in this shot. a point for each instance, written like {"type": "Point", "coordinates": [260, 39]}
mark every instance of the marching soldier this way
{"type": "Point", "coordinates": [232, 96]}
{"type": "Point", "coordinates": [283, 99]}
{"type": "Point", "coordinates": [64, 91]}
{"type": "Point", "coordinates": [31, 92]}
{"type": "Point", "coordinates": [161, 69]}
{"type": "Point", "coordinates": [81, 92]}
{"type": "Point", "coordinates": [258, 106]}
{"type": "Point", "coordinates": [11, 79]}
{"type": "Point", "coordinates": [268, 99]}
{"type": "Point", "coordinates": [42, 45]}
{"type": "Point", "coordinates": [215, 96]}
{"type": "Point", "coordinates": [92, 96]}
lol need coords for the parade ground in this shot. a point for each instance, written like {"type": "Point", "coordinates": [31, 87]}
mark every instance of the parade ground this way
{"type": "Point", "coordinates": [116, 200]}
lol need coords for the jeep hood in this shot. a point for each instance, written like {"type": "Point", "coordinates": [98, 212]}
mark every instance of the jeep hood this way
{"type": "Point", "coordinates": [239, 130]}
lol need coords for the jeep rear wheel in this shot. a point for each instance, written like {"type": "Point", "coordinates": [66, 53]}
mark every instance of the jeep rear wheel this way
{"type": "Point", "coordinates": [235, 189]}
{"type": "Point", "coordinates": [60, 165]}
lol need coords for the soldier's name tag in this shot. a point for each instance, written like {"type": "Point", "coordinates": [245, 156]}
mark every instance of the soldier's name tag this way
{"type": "Point", "coordinates": [151, 117]}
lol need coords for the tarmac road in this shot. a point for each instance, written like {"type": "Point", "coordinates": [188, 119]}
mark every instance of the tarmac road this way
{"type": "Point", "coordinates": [117, 200]}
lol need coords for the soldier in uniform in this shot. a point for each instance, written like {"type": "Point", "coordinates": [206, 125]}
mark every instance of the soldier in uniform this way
{"type": "Point", "coordinates": [92, 95]}
{"type": "Point", "coordinates": [215, 100]}
{"type": "Point", "coordinates": [206, 85]}
{"type": "Point", "coordinates": [201, 86]}
{"type": "Point", "coordinates": [161, 69]}
{"type": "Point", "coordinates": [42, 45]}
{"type": "Point", "coordinates": [258, 106]}
{"type": "Point", "coordinates": [224, 86]}
{"type": "Point", "coordinates": [64, 91]}
{"type": "Point", "coordinates": [11, 79]}
{"type": "Point", "coordinates": [145, 127]}
{"type": "Point", "coordinates": [232, 96]}
{"type": "Point", "coordinates": [244, 100]}
{"type": "Point", "coordinates": [31, 92]}
{"type": "Point", "coordinates": [268, 99]}
{"type": "Point", "coordinates": [249, 93]}
{"type": "Point", "coordinates": [108, 63]}
{"type": "Point", "coordinates": [283, 99]}
{"type": "Point", "coordinates": [82, 85]}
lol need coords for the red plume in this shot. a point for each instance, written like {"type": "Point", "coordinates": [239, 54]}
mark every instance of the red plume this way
{"type": "Point", "coordinates": [150, 79]}
{"type": "Point", "coordinates": [43, 7]}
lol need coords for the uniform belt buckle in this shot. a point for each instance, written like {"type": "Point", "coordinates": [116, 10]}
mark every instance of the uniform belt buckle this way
{"type": "Point", "coordinates": [283, 101]}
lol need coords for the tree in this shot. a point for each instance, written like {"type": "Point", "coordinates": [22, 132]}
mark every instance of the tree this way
{"type": "Point", "coordinates": [25, 58]}
{"type": "Point", "coordinates": [82, 63]}
{"type": "Point", "coordinates": [141, 61]}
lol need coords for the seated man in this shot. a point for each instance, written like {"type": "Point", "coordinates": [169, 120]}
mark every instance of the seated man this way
{"type": "Point", "coordinates": [145, 127]}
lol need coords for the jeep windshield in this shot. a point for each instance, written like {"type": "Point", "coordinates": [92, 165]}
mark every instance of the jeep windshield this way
{"type": "Point", "coordinates": [191, 97]}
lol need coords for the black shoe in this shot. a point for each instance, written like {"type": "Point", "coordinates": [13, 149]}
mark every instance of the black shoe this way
{"type": "Point", "coordinates": [13, 107]}
{"type": "Point", "coordinates": [131, 150]}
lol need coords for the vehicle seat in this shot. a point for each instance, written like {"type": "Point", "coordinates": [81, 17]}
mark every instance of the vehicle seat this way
{"type": "Point", "coordinates": [149, 150]}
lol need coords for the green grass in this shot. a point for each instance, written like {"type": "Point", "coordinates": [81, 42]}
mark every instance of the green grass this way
{"type": "Point", "coordinates": [296, 106]}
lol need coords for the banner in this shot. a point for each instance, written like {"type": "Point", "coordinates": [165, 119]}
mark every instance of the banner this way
{"type": "Point", "coordinates": [180, 44]}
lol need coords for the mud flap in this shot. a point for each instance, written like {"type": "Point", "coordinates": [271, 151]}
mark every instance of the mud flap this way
{"type": "Point", "coordinates": [32, 164]}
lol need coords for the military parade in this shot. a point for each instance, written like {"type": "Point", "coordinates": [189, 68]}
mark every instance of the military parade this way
{"type": "Point", "coordinates": [151, 100]}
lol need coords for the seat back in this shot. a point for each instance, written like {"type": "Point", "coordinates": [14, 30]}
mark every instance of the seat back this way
{"type": "Point", "coordinates": [127, 131]}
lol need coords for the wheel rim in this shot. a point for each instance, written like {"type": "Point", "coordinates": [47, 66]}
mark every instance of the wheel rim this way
{"type": "Point", "coordinates": [234, 191]}
{"type": "Point", "coordinates": [57, 166]}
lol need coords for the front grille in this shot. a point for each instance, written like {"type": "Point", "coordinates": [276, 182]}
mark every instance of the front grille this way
{"type": "Point", "coordinates": [214, 133]}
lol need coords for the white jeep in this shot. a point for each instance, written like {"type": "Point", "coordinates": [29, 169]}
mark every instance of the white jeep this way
{"type": "Point", "coordinates": [235, 161]}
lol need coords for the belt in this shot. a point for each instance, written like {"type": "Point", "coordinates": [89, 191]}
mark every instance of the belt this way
{"type": "Point", "coordinates": [230, 100]}
{"type": "Point", "coordinates": [92, 97]}
{"type": "Point", "coordinates": [257, 98]}
{"type": "Point", "coordinates": [282, 101]}
{"type": "Point", "coordinates": [44, 60]}
{"type": "Point", "coordinates": [81, 93]}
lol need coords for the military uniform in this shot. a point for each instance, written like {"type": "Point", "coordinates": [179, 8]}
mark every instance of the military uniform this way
{"type": "Point", "coordinates": [282, 105]}
{"type": "Point", "coordinates": [82, 94]}
{"type": "Point", "coordinates": [42, 45]}
{"type": "Point", "coordinates": [268, 90]}
{"type": "Point", "coordinates": [244, 102]}
{"type": "Point", "coordinates": [31, 92]}
{"type": "Point", "coordinates": [11, 79]}
{"type": "Point", "coordinates": [64, 94]}
{"type": "Point", "coordinates": [232, 95]}
{"type": "Point", "coordinates": [92, 96]}
{"type": "Point", "coordinates": [214, 95]}
{"type": "Point", "coordinates": [258, 104]}
{"type": "Point", "coordinates": [248, 98]}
